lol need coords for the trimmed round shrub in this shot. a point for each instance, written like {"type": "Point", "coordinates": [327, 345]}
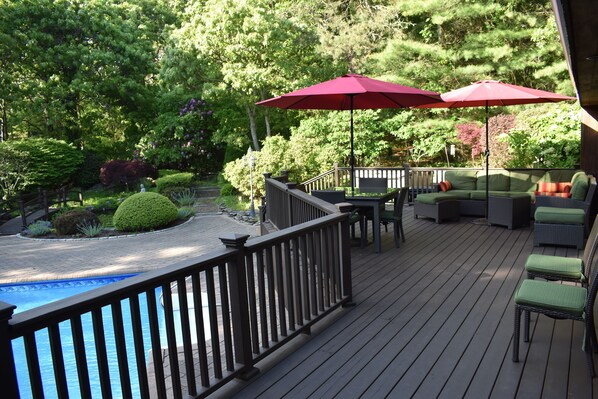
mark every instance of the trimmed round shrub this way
{"type": "Point", "coordinates": [69, 222]}
{"type": "Point", "coordinates": [144, 211]}
{"type": "Point", "coordinates": [179, 179]}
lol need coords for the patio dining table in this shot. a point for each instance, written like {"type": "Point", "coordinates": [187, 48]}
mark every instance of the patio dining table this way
{"type": "Point", "coordinates": [373, 201]}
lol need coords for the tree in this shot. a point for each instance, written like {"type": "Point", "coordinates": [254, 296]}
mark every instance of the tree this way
{"type": "Point", "coordinates": [257, 49]}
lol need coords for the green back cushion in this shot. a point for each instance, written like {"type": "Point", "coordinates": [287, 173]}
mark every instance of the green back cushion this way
{"type": "Point", "coordinates": [581, 175]}
{"type": "Point", "coordinates": [525, 181]}
{"type": "Point", "coordinates": [498, 180]}
{"type": "Point", "coordinates": [462, 179]}
{"type": "Point", "coordinates": [556, 176]}
{"type": "Point", "coordinates": [580, 189]}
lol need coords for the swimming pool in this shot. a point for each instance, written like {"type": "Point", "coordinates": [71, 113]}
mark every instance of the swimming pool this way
{"type": "Point", "coordinates": [29, 295]}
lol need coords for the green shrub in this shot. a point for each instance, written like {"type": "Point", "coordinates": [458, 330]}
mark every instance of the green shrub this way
{"type": "Point", "coordinates": [42, 162]}
{"type": "Point", "coordinates": [186, 197]}
{"type": "Point", "coordinates": [172, 192]}
{"type": "Point", "coordinates": [185, 212]}
{"type": "Point", "coordinates": [91, 229]}
{"type": "Point", "coordinates": [88, 174]}
{"type": "Point", "coordinates": [167, 172]}
{"type": "Point", "coordinates": [227, 190]}
{"type": "Point", "coordinates": [179, 179]}
{"type": "Point", "coordinates": [69, 222]}
{"type": "Point", "coordinates": [144, 211]}
{"type": "Point", "coordinates": [40, 228]}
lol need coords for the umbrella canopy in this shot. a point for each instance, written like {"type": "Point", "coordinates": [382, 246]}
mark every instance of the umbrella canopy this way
{"type": "Point", "coordinates": [487, 93]}
{"type": "Point", "coordinates": [351, 92]}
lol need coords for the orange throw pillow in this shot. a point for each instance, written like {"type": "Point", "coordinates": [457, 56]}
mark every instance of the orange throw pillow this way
{"type": "Point", "coordinates": [545, 187]}
{"type": "Point", "coordinates": [564, 187]}
{"type": "Point", "coordinates": [445, 185]}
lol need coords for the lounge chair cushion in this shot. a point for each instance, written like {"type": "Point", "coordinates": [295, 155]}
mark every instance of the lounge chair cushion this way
{"type": "Point", "coordinates": [462, 179]}
{"type": "Point", "coordinates": [547, 295]}
{"type": "Point", "coordinates": [548, 214]}
{"type": "Point", "coordinates": [498, 181]}
{"type": "Point", "coordinates": [557, 266]}
{"type": "Point", "coordinates": [434, 198]}
{"type": "Point", "coordinates": [579, 189]}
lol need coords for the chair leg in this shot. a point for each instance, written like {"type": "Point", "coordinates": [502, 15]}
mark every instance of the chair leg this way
{"type": "Point", "coordinates": [589, 347]}
{"type": "Point", "coordinates": [516, 329]}
{"type": "Point", "coordinates": [353, 231]}
{"type": "Point", "coordinates": [402, 232]}
{"type": "Point", "coordinates": [363, 227]}
{"type": "Point", "coordinates": [397, 234]}
{"type": "Point", "coordinates": [526, 326]}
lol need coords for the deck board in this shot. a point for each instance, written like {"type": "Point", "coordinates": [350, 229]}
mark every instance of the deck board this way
{"type": "Point", "coordinates": [434, 318]}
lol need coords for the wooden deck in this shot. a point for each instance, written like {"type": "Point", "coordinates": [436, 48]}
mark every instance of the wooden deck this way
{"type": "Point", "coordinates": [434, 318]}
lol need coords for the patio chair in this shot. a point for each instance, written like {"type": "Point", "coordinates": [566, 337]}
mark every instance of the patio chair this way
{"type": "Point", "coordinates": [336, 197]}
{"type": "Point", "coordinates": [395, 217]}
{"type": "Point", "coordinates": [373, 184]}
{"type": "Point", "coordinates": [559, 301]}
{"type": "Point", "coordinates": [561, 268]}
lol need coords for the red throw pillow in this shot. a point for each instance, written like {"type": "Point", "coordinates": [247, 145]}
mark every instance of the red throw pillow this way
{"type": "Point", "coordinates": [545, 187]}
{"type": "Point", "coordinates": [445, 185]}
{"type": "Point", "coordinates": [538, 193]}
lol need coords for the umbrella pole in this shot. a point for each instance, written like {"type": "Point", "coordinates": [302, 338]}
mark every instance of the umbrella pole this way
{"type": "Point", "coordinates": [352, 157]}
{"type": "Point", "coordinates": [484, 220]}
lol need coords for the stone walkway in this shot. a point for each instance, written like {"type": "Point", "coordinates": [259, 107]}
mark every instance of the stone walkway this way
{"type": "Point", "coordinates": [24, 259]}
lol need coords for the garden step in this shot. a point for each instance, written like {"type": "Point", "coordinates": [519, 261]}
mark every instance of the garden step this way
{"type": "Point", "coordinates": [207, 205]}
{"type": "Point", "coordinates": [207, 192]}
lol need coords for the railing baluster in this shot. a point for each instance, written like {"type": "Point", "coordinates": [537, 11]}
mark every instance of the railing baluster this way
{"type": "Point", "coordinates": [58, 361]}
{"type": "Point", "coordinates": [102, 357]}
{"type": "Point", "coordinates": [313, 280]}
{"type": "Point", "coordinates": [296, 272]}
{"type": "Point", "coordinates": [138, 340]}
{"type": "Point", "coordinates": [35, 377]}
{"type": "Point", "coordinates": [279, 272]}
{"type": "Point", "coordinates": [305, 282]}
{"type": "Point", "coordinates": [214, 333]}
{"type": "Point", "coordinates": [288, 278]}
{"type": "Point", "coordinates": [80, 357]}
{"type": "Point", "coordinates": [154, 328]}
{"type": "Point", "coordinates": [326, 267]}
{"type": "Point", "coordinates": [261, 286]}
{"type": "Point", "coordinates": [255, 343]}
{"type": "Point", "coordinates": [271, 297]}
{"type": "Point", "coordinates": [226, 323]}
{"type": "Point", "coordinates": [202, 352]}
{"type": "Point", "coordinates": [173, 357]}
{"type": "Point", "coordinates": [186, 333]}
{"type": "Point", "coordinates": [121, 349]}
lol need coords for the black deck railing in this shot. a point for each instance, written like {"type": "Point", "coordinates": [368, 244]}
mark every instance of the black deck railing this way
{"type": "Point", "coordinates": [222, 312]}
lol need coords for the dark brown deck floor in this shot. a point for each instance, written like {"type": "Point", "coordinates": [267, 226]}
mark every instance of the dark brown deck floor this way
{"type": "Point", "coordinates": [434, 318]}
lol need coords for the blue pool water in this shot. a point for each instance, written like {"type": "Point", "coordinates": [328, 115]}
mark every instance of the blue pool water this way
{"type": "Point", "coordinates": [30, 295]}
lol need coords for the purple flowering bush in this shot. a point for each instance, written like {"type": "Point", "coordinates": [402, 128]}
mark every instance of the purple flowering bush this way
{"type": "Point", "coordinates": [183, 140]}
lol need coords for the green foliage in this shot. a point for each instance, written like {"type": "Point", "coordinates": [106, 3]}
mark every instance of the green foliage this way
{"type": "Point", "coordinates": [185, 212]}
{"type": "Point", "coordinates": [13, 171]}
{"type": "Point", "coordinates": [69, 222]}
{"type": "Point", "coordinates": [90, 229]}
{"type": "Point", "coordinates": [144, 211]}
{"type": "Point", "coordinates": [186, 197]}
{"type": "Point", "coordinates": [167, 172]}
{"type": "Point", "coordinates": [40, 228]}
{"type": "Point", "coordinates": [88, 174]}
{"type": "Point", "coordinates": [227, 190]}
{"type": "Point", "coordinates": [46, 163]}
{"type": "Point", "coordinates": [546, 136]}
{"type": "Point", "coordinates": [176, 180]}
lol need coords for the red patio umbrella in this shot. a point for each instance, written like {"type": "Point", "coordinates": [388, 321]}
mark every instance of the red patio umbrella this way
{"type": "Point", "coordinates": [351, 92]}
{"type": "Point", "coordinates": [487, 93]}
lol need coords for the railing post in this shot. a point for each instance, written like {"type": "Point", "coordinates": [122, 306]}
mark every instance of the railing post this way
{"type": "Point", "coordinates": [337, 180]}
{"type": "Point", "coordinates": [240, 305]}
{"type": "Point", "coordinates": [285, 175]}
{"type": "Point", "coordinates": [345, 249]}
{"type": "Point", "coordinates": [10, 386]}
{"type": "Point", "coordinates": [406, 182]}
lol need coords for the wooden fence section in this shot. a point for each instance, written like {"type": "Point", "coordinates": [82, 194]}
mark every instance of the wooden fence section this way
{"type": "Point", "coordinates": [187, 330]}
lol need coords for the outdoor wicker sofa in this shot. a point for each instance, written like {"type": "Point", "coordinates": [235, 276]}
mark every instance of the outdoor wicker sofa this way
{"type": "Point", "coordinates": [468, 189]}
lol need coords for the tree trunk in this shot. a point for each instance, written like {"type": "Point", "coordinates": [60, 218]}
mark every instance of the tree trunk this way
{"type": "Point", "coordinates": [251, 114]}
{"type": "Point", "coordinates": [4, 122]}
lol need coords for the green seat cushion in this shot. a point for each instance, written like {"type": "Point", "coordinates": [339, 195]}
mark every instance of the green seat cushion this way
{"type": "Point", "coordinates": [460, 194]}
{"type": "Point", "coordinates": [552, 296]}
{"type": "Point", "coordinates": [462, 179]}
{"type": "Point", "coordinates": [548, 214]}
{"type": "Point", "coordinates": [557, 266]}
{"type": "Point", "coordinates": [579, 189]}
{"type": "Point", "coordinates": [433, 198]}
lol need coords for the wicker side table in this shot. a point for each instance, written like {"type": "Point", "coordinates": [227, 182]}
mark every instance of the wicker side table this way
{"type": "Point", "coordinates": [513, 211]}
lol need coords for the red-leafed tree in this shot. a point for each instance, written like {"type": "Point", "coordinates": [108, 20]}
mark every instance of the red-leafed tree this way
{"type": "Point", "coordinates": [469, 134]}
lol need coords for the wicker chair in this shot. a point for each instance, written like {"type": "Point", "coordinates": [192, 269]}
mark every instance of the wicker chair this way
{"type": "Point", "coordinates": [562, 268]}
{"type": "Point", "coordinates": [558, 301]}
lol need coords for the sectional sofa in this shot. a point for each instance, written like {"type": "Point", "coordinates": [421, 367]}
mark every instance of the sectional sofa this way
{"type": "Point", "coordinates": [468, 187]}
